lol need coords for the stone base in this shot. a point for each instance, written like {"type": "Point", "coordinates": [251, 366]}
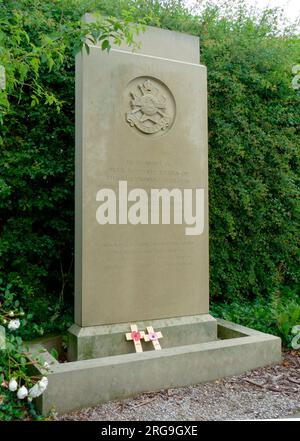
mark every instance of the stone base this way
{"type": "Point", "coordinates": [108, 340]}
{"type": "Point", "coordinates": [89, 382]}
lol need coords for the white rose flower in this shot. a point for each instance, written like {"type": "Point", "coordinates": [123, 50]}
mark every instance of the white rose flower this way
{"type": "Point", "coordinates": [43, 383]}
{"type": "Point", "coordinates": [39, 388]}
{"type": "Point", "coordinates": [44, 380]}
{"type": "Point", "coordinates": [35, 391]}
{"type": "Point", "coordinates": [13, 385]}
{"type": "Point", "coordinates": [22, 393]}
{"type": "Point", "coordinates": [14, 324]}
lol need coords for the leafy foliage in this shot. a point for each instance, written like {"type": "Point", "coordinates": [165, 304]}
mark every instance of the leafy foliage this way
{"type": "Point", "coordinates": [12, 409]}
{"type": "Point", "coordinates": [277, 315]}
{"type": "Point", "coordinates": [38, 42]}
{"type": "Point", "coordinates": [15, 366]}
{"type": "Point", "coordinates": [254, 120]}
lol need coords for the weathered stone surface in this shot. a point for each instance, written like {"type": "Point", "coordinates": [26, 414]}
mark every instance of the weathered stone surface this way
{"type": "Point", "coordinates": [89, 382]}
{"type": "Point", "coordinates": [127, 273]}
{"type": "Point", "coordinates": [107, 340]}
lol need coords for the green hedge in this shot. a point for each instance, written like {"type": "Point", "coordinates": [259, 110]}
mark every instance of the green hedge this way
{"type": "Point", "coordinates": [254, 142]}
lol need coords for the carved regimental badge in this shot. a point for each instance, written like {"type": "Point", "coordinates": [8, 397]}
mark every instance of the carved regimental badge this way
{"type": "Point", "coordinates": [152, 107]}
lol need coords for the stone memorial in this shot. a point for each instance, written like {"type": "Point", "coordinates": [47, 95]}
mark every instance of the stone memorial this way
{"type": "Point", "coordinates": [141, 239]}
{"type": "Point", "coordinates": [142, 121]}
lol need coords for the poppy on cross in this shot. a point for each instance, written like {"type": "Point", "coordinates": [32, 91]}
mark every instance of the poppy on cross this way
{"type": "Point", "coordinates": [135, 335]}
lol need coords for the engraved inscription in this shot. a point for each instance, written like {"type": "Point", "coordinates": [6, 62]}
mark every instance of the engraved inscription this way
{"type": "Point", "coordinates": [152, 107]}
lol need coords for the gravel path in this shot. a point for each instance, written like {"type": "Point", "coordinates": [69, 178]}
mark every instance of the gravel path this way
{"type": "Point", "coordinates": [272, 392]}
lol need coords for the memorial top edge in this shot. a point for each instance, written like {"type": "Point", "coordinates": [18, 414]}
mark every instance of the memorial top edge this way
{"type": "Point", "coordinates": [162, 43]}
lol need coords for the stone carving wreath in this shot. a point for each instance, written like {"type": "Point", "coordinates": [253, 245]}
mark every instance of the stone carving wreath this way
{"type": "Point", "coordinates": [152, 106]}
